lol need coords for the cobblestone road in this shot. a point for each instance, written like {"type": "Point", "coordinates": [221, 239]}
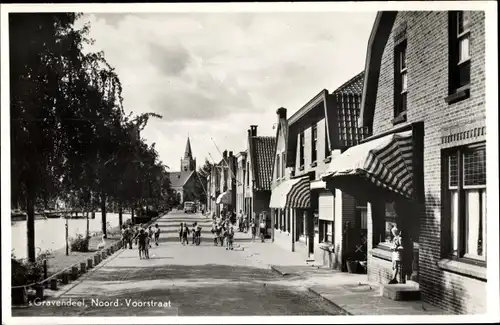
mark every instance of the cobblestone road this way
{"type": "Point", "coordinates": [183, 281]}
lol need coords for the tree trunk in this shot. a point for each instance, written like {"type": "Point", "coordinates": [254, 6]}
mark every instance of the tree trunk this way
{"type": "Point", "coordinates": [30, 224]}
{"type": "Point", "coordinates": [103, 213]}
{"type": "Point", "coordinates": [132, 214]}
{"type": "Point", "coordinates": [120, 215]}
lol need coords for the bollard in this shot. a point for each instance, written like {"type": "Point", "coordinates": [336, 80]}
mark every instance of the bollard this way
{"type": "Point", "coordinates": [53, 284]}
{"type": "Point", "coordinates": [83, 267]}
{"type": "Point", "coordinates": [74, 272]}
{"type": "Point", "coordinates": [97, 259]}
{"type": "Point", "coordinates": [89, 263]}
{"type": "Point", "coordinates": [65, 278]}
{"type": "Point", "coordinates": [39, 291]}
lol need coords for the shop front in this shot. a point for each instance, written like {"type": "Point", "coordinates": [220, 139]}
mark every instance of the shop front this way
{"type": "Point", "coordinates": [385, 171]}
{"type": "Point", "coordinates": [224, 202]}
{"type": "Point", "coordinates": [292, 216]}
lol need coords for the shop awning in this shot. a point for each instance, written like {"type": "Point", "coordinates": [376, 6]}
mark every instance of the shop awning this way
{"type": "Point", "coordinates": [385, 162]}
{"type": "Point", "coordinates": [224, 198]}
{"type": "Point", "coordinates": [293, 193]}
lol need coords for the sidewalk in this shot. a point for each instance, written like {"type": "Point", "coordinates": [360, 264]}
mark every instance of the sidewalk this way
{"type": "Point", "coordinates": [352, 293]}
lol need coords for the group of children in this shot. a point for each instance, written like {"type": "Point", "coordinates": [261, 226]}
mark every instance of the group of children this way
{"type": "Point", "coordinates": [223, 231]}
{"type": "Point", "coordinates": [184, 232]}
{"type": "Point", "coordinates": [142, 237]}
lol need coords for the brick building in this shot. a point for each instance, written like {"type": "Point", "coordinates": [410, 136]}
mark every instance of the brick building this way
{"type": "Point", "coordinates": [259, 166]}
{"type": "Point", "coordinates": [306, 213]}
{"type": "Point", "coordinates": [221, 184]}
{"type": "Point", "coordinates": [423, 167]}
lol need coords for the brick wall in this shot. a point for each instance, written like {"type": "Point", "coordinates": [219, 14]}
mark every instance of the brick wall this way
{"type": "Point", "coordinates": [427, 66]}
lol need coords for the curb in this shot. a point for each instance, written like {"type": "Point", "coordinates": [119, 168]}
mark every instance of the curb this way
{"type": "Point", "coordinates": [276, 270]}
{"type": "Point", "coordinates": [342, 311]}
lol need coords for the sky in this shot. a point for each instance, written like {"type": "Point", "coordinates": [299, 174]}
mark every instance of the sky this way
{"type": "Point", "coordinates": [212, 75]}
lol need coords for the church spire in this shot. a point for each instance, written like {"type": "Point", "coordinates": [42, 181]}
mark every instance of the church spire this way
{"type": "Point", "coordinates": [188, 153]}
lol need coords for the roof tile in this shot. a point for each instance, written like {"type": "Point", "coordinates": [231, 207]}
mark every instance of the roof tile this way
{"type": "Point", "coordinates": [263, 160]}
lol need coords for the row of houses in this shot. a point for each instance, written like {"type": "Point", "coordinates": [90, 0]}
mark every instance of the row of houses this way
{"type": "Point", "coordinates": [402, 143]}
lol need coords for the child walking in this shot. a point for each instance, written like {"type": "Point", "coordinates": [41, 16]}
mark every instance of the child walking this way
{"type": "Point", "coordinates": [157, 234]}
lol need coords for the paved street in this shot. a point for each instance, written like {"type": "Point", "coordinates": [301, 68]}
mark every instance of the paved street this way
{"type": "Point", "coordinates": [186, 280]}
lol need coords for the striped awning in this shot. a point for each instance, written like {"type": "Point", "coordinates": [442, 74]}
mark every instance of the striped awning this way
{"type": "Point", "coordinates": [224, 198]}
{"type": "Point", "coordinates": [293, 193]}
{"type": "Point", "coordinates": [386, 162]}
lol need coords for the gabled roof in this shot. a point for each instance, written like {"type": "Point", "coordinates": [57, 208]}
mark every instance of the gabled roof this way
{"type": "Point", "coordinates": [376, 44]}
{"type": "Point", "coordinates": [352, 87]}
{"type": "Point", "coordinates": [262, 151]}
{"type": "Point", "coordinates": [179, 179]}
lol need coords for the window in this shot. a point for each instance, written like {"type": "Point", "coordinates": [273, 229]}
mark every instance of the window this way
{"type": "Point", "coordinates": [327, 143]}
{"type": "Point", "coordinates": [390, 221]}
{"type": "Point", "coordinates": [278, 166]}
{"type": "Point", "coordinates": [283, 164]}
{"type": "Point", "coordinates": [314, 142]}
{"type": "Point", "coordinates": [302, 144]}
{"type": "Point", "coordinates": [326, 231]}
{"type": "Point", "coordinates": [466, 201]}
{"type": "Point", "coordinates": [248, 173]}
{"type": "Point", "coordinates": [459, 50]}
{"type": "Point", "coordinates": [400, 79]}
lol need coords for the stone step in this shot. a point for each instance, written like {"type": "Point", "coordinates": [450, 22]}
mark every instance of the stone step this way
{"type": "Point", "coordinates": [401, 292]}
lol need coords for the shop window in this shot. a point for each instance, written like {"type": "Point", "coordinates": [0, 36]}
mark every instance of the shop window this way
{"type": "Point", "coordinates": [465, 201]}
{"type": "Point", "coordinates": [325, 231]}
{"type": "Point", "coordinates": [390, 221]}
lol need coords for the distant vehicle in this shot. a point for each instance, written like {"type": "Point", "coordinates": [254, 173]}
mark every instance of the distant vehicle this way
{"type": "Point", "coordinates": [189, 207]}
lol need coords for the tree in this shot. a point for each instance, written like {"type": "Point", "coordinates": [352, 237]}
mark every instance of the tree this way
{"type": "Point", "coordinates": [42, 45]}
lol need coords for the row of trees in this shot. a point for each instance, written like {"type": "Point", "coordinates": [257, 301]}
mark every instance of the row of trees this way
{"type": "Point", "coordinates": [70, 136]}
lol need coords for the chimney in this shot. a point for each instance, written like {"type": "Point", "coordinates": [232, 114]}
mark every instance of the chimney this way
{"type": "Point", "coordinates": [224, 154]}
{"type": "Point", "coordinates": [253, 130]}
{"type": "Point", "coordinates": [281, 113]}
{"type": "Point", "coordinates": [230, 153]}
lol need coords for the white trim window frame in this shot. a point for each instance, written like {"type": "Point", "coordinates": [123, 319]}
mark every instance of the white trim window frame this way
{"type": "Point", "coordinates": [466, 183]}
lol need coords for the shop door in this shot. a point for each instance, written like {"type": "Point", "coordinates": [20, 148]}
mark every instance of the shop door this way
{"type": "Point", "coordinates": [326, 205]}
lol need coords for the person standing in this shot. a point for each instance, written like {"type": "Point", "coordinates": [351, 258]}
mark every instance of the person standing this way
{"type": "Point", "coordinates": [181, 229]}
{"type": "Point", "coordinates": [253, 227]}
{"type": "Point", "coordinates": [157, 234]}
{"type": "Point", "coordinates": [262, 226]}
{"type": "Point", "coordinates": [185, 234]}
{"type": "Point", "coordinates": [230, 238]}
{"type": "Point", "coordinates": [193, 232]}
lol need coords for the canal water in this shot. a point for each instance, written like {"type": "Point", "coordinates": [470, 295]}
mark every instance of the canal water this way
{"type": "Point", "coordinates": [50, 234]}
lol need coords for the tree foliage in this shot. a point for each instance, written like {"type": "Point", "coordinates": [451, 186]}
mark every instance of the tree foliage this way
{"type": "Point", "coordinates": [70, 136]}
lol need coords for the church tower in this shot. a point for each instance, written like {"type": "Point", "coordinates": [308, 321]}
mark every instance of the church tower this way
{"type": "Point", "coordinates": [188, 164]}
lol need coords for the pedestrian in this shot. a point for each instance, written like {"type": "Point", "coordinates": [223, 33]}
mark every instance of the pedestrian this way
{"type": "Point", "coordinates": [193, 232]}
{"type": "Point", "coordinates": [157, 234]}
{"type": "Point", "coordinates": [198, 235]}
{"type": "Point", "coordinates": [262, 226]}
{"type": "Point", "coordinates": [230, 237]}
{"type": "Point", "coordinates": [141, 239]}
{"type": "Point", "coordinates": [214, 232]}
{"type": "Point", "coordinates": [150, 235]}
{"type": "Point", "coordinates": [185, 234]}
{"type": "Point", "coordinates": [181, 229]}
{"type": "Point", "coordinates": [135, 235]}
{"type": "Point", "coordinates": [253, 226]}
{"type": "Point", "coordinates": [124, 237]}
